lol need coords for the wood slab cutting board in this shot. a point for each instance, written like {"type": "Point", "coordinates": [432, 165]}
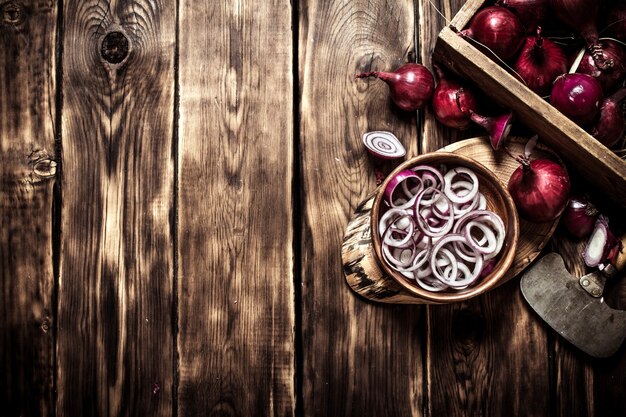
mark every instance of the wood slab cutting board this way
{"type": "Point", "coordinates": [360, 265]}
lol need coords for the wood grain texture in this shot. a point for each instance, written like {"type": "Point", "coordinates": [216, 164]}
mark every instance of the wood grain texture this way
{"type": "Point", "coordinates": [27, 174]}
{"type": "Point", "coordinates": [434, 15]}
{"type": "Point", "coordinates": [236, 286]}
{"type": "Point", "coordinates": [359, 359]}
{"type": "Point", "coordinates": [487, 357]}
{"type": "Point", "coordinates": [115, 342]}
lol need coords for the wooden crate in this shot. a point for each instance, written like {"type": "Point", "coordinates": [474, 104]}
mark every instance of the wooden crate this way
{"type": "Point", "coordinates": [593, 161]}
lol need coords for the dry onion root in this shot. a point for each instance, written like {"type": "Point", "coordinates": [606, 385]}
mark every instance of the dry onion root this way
{"type": "Point", "coordinates": [437, 230]}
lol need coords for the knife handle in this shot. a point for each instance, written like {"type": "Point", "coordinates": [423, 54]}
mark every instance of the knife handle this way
{"type": "Point", "coordinates": [620, 259]}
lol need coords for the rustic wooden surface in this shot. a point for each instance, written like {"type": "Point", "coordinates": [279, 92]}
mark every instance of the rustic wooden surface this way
{"type": "Point", "coordinates": [28, 224]}
{"type": "Point", "coordinates": [236, 312]}
{"type": "Point", "coordinates": [115, 342]}
{"type": "Point", "coordinates": [176, 178]}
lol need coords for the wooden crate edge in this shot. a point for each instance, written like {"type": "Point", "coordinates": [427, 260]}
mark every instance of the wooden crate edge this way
{"type": "Point", "coordinates": [601, 166]}
{"type": "Point", "coordinates": [465, 14]}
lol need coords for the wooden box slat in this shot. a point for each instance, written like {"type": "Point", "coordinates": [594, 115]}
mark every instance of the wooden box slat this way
{"type": "Point", "coordinates": [592, 160]}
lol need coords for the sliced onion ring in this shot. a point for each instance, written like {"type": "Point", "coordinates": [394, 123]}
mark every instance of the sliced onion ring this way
{"type": "Point", "coordinates": [384, 145]}
{"type": "Point", "coordinates": [449, 188]}
{"type": "Point", "coordinates": [395, 181]}
{"type": "Point", "coordinates": [437, 230]}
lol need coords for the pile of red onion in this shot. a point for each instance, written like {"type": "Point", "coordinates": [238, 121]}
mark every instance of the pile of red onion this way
{"type": "Point", "coordinates": [437, 230]}
{"type": "Point", "coordinates": [589, 94]}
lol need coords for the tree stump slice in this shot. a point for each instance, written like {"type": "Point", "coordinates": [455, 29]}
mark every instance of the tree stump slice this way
{"type": "Point", "coordinates": [360, 265]}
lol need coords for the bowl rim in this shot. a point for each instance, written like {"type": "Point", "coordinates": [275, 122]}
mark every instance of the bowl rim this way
{"type": "Point", "coordinates": [504, 263]}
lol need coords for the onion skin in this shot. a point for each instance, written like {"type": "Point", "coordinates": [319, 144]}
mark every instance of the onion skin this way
{"type": "Point", "coordinates": [540, 189]}
{"type": "Point", "coordinates": [609, 78]}
{"type": "Point", "coordinates": [577, 96]}
{"type": "Point", "coordinates": [579, 217]}
{"type": "Point", "coordinates": [581, 15]}
{"type": "Point", "coordinates": [609, 128]}
{"type": "Point", "coordinates": [531, 13]}
{"type": "Point", "coordinates": [498, 127]}
{"type": "Point", "coordinates": [498, 29]}
{"type": "Point", "coordinates": [451, 101]}
{"type": "Point", "coordinates": [539, 63]}
{"type": "Point", "coordinates": [411, 85]}
{"type": "Point", "coordinates": [616, 21]}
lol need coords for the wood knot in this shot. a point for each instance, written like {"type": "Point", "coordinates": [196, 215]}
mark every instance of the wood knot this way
{"type": "Point", "coordinates": [12, 13]}
{"type": "Point", "coordinates": [46, 168]}
{"type": "Point", "coordinates": [43, 166]}
{"type": "Point", "coordinates": [45, 325]}
{"type": "Point", "coordinates": [115, 47]}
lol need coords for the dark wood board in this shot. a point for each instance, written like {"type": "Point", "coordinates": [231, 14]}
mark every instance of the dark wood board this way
{"type": "Point", "coordinates": [116, 340]}
{"type": "Point", "coordinates": [27, 176]}
{"type": "Point", "coordinates": [236, 305]}
{"type": "Point", "coordinates": [476, 345]}
{"type": "Point", "coordinates": [172, 211]}
{"type": "Point", "coordinates": [359, 359]}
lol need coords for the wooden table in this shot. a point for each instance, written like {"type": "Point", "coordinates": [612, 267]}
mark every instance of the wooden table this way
{"type": "Point", "coordinates": [175, 181]}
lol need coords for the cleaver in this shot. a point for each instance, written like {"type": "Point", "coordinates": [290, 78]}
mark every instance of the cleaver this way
{"type": "Point", "coordinates": [574, 307]}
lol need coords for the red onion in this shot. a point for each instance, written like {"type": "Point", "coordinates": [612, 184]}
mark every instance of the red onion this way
{"type": "Point", "coordinates": [577, 96]}
{"type": "Point", "coordinates": [531, 13]}
{"type": "Point", "coordinates": [539, 63]}
{"type": "Point", "coordinates": [449, 98]}
{"type": "Point", "coordinates": [616, 21]}
{"type": "Point", "coordinates": [579, 217]}
{"type": "Point", "coordinates": [498, 127]}
{"type": "Point", "coordinates": [384, 145]}
{"type": "Point", "coordinates": [602, 245]}
{"type": "Point", "coordinates": [609, 128]}
{"type": "Point", "coordinates": [611, 77]}
{"type": "Point", "coordinates": [411, 85]}
{"type": "Point", "coordinates": [540, 189]}
{"type": "Point", "coordinates": [437, 231]}
{"type": "Point", "coordinates": [498, 29]}
{"type": "Point", "coordinates": [400, 177]}
{"type": "Point", "coordinates": [581, 15]}
{"type": "Point", "coordinates": [488, 267]}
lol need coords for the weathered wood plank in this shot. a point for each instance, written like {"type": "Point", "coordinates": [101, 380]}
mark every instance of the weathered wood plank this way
{"type": "Point", "coordinates": [115, 342]}
{"type": "Point", "coordinates": [27, 172]}
{"type": "Point", "coordinates": [487, 357]}
{"type": "Point", "coordinates": [475, 346]}
{"type": "Point", "coordinates": [360, 359]}
{"type": "Point", "coordinates": [235, 283]}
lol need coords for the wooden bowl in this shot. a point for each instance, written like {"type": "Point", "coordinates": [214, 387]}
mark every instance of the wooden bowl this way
{"type": "Point", "coordinates": [498, 200]}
